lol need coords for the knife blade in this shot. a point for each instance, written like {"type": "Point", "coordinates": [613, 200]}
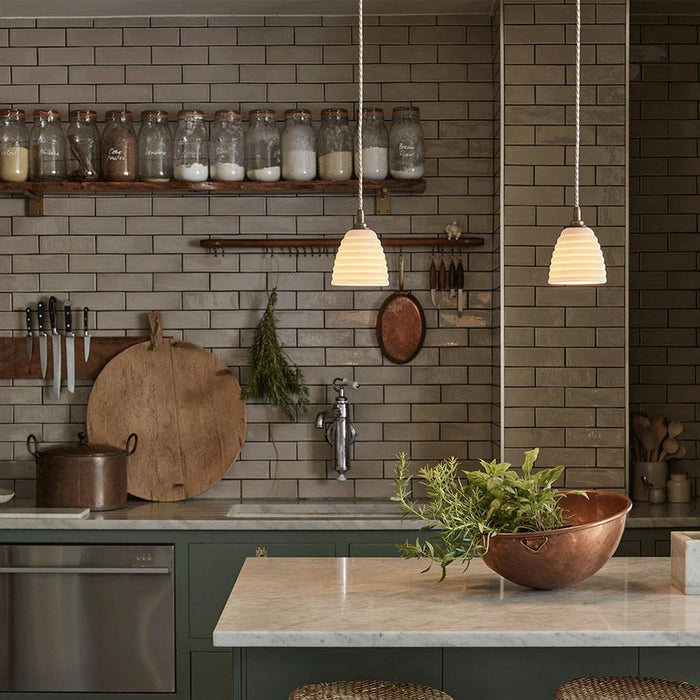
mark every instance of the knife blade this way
{"type": "Point", "coordinates": [43, 338]}
{"type": "Point", "coordinates": [86, 334]}
{"type": "Point", "coordinates": [70, 347]}
{"type": "Point", "coordinates": [460, 289]}
{"type": "Point", "coordinates": [433, 282]}
{"type": "Point", "coordinates": [55, 347]}
{"type": "Point", "coordinates": [442, 280]}
{"type": "Point", "coordinates": [30, 334]}
{"type": "Point", "coordinates": [452, 280]}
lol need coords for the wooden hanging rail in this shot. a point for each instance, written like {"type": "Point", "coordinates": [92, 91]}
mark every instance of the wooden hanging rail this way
{"type": "Point", "coordinates": [387, 241]}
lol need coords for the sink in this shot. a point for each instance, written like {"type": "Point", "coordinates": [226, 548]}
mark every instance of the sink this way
{"type": "Point", "coordinates": [314, 509]}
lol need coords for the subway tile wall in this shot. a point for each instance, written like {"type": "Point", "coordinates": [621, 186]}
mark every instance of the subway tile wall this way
{"type": "Point", "coordinates": [123, 256]}
{"type": "Point", "coordinates": [565, 386]}
{"type": "Point", "coordinates": [665, 211]}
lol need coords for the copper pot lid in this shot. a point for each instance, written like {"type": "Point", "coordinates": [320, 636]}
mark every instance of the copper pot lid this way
{"type": "Point", "coordinates": [83, 448]}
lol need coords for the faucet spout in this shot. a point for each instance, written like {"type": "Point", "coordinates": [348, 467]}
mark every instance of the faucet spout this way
{"type": "Point", "coordinates": [339, 431]}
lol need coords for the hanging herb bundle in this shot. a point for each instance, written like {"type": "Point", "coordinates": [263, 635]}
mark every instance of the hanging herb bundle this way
{"type": "Point", "coordinates": [272, 376]}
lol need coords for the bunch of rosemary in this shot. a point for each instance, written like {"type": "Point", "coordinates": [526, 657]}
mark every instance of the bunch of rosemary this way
{"type": "Point", "coordinates": [272, 376]}
{"type": "Point", "coordinates": [468, 511]}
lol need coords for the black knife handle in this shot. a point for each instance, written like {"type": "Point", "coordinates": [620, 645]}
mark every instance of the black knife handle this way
{"type": "Point", "coordinates": [460, 275]}
{"type": "Point", "coordinates": [53, 319]}
{"type": "Point", "coordinates": [40, 316]}
{"type": "Point", "coordinates": [68, 316]}
{"type": "Point", "coordinates": [86, 313]}
{"type": "Point", "coordinates": [28, 316]}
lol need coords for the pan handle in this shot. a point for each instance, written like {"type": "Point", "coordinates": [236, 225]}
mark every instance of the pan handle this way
{"type": "Point", "coordinates": [534, 544]}
{"type": "Point", "coordinates": [401, 272]}
{"type": "Point", "coordinates": [32, 441]}
{"type": "Point", "coordinates": [132, 438]}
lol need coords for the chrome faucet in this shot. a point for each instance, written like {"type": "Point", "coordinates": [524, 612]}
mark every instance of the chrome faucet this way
{"type": "Point", "coordinates": [340, 433]}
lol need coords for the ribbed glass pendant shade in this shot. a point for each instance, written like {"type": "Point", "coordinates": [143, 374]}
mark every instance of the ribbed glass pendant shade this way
{"type": "Point", "coordinates": [577, 258]}
{"type": "Point", "coordinates": [360, 260]}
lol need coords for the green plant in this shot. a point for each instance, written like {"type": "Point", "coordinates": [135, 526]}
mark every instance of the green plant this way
{"type": "Point", "coordinates": [467, 511]}
{"type": "Point", "coordinates": [272, 376]}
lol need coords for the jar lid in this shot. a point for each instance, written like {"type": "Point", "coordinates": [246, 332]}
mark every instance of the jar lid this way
{"type": "Point", "coordinates": [226, 114]}
{"type": "Point", "coordinates": [373, 110]}
{"type": "Point", "coordinates": [406, 110]}
{"type": "Point", "coordinates": [334, 111]}
{"type": "Point", "coordinates": [119, 115]}
{"type": "Point", "coordinates": [262, 113]}
{"type": "Point", "coordinates": [50, 113]}
{"type": "Point", "coordinates": [154, 114]}
{"type": "Point", "coordinates": [679, 476]}
{"type": "Point", "coordinates": [294, 112]}
{"type": "Point", "coordinates": [83, 448]}
{"type": "Point", "coordinates": [190, 114]}
{"type": "Point", "coordinates": [10, 112]}
{"type": "Point", "coordinates": [83, 114]}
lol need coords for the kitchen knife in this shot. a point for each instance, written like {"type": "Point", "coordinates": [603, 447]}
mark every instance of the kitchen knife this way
{"type": "Point", "coordinates": [43, 338]}
{"type": "Point", "coordinates": [442, 279]}
{"type": "Point", "coordinates": [30, 334]}
{"type": "Point", "coordinates": [86, 334]}
{"type": "Point", "coordinates": [55, 347]}
{"type": "Point", "coordinates": [433, 282]}
{"type": "Point", "coordinates": [452, 280]}
{"type": "Point", "coordinates": [460, 289]}
{"type": "Point", "coordinates": [70, 347]}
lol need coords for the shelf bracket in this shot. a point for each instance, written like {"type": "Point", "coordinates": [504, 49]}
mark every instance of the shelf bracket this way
{"type": "Point", "coordinates": [35, 203]}
{"type": "Point", "coordinates": [382, 201]}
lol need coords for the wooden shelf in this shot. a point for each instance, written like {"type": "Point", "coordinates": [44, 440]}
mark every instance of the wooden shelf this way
{"type": "Point", "coordinates": [382, 189]}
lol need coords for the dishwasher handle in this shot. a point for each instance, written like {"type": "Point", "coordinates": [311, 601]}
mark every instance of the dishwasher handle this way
{"type": "Point", "coordinates": [84, 570]}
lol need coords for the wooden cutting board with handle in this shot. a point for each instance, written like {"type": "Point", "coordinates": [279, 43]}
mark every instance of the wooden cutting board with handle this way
{"type": "Point", "coordinates": [184, 405]}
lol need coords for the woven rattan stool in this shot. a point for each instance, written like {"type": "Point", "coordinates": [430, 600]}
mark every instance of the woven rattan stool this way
{"type": "Point", "coordinates": [626, 688]}
{"type": "Point", "coordinates": [367, 690]}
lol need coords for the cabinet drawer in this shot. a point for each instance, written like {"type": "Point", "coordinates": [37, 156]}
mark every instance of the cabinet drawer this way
{"type": "Point", "coordinates": [214, 568]}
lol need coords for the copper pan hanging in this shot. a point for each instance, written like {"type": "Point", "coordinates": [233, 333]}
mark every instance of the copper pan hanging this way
{"type": "Point", "coordinates": [401, 324]}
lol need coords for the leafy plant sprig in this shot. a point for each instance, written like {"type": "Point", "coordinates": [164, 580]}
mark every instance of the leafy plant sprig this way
{"type": "Point", "coordinates": [272, 375]}
{"type": "Point", "coordinates": [467, 511]}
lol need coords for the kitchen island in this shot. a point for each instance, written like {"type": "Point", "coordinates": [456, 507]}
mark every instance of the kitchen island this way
{"type": "Point", "coordinates": [623, 620]}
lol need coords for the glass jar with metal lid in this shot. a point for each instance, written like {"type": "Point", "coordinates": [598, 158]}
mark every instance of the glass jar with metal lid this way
{"type": "Point", "coordinates": [47, 147]}
{"type": "Point", "coordinates": [14, 146]}
{"type": "Point", "coordinates": [226, 147]}
{"type": "Point", "coordinates": [406, 153]}
{"type": "Point", "coordinates": [119, 152]}
{"type": "Point", "coordinates": [298, 146]}
{"type": "Point", "coordinates": [375, 145]}
{"type": "Point", "coordinates": [83, 138]}
{"type": "Point", "coordinates": [262, 146]}
{"type": "Point", "coordinates": [155, 147]}
{"type": "Point", "coordinates": [334, 145]}
{"type": "Point", "coordinates": [190, 148]}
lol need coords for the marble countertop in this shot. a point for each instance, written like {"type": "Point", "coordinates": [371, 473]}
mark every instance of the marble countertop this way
{"type": "Point", "coordinates": [211, 514]}
{"type": "Point", "coordinates": [387, 602]}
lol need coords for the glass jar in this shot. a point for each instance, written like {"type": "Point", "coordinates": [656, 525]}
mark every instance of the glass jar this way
{"type": "Point", "coordinates": [375, 145]}
{"type": "Point", "coordinates": [334, 145]}
{"type": "Point", "coordinates": [83, 154]}
{"type": "Point", "coordinates": [262, 146]}
{"type": "Point", "coordinates": [226, 147]}
{"type": "Point", "coordinates": [14, 146]}
{"type": "Point", "coordinates": [298, 146]}
{"type": "Point", "coordinates": [47, 147]}
{"type": "Point", "coordinates": [190, 149]}
{"type": "Point", "coordinates": [119, 147]}
{"type": "Point", "coordinates": [155, 147]}
{"type": "Point", "coordinates": [406, 154]}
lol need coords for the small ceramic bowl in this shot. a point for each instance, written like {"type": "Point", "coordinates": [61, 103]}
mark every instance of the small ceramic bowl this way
{"type": "Point", "coordinates": [6, 495]}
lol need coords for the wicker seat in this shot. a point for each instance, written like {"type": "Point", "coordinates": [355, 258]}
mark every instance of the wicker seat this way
{"type": "Point", "coordinates": [367, 690]}
{"type": "Point", "coordinates": [626, 688]}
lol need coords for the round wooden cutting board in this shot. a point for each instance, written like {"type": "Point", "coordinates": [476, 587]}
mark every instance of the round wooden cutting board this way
{"type": "Point", "coordinates": [186, 408]}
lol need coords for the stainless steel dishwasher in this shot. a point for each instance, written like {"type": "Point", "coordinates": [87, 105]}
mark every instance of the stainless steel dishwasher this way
{"type": "Point", "coordinates": [82, 618]}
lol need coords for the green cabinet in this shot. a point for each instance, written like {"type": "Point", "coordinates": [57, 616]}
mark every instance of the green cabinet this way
{"type": "Point", "coordinates": [211, 675]}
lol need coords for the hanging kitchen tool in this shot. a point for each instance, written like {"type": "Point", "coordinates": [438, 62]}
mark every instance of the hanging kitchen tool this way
{"type": "Point", "coordinates": [401, 324]}
{"type": "Point", "coordinates": [433, 283]}
{"type": "Point", "coordinates": [452, 279]}
{"type": "Point", "coordinates": [186, 407]}
{"type": "Point", "coordinates": [460, 289]}
{"type": "Point", "coordinates": [442, 281]}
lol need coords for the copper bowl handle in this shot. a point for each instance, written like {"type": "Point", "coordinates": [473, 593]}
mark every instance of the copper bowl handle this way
{"type": "Point", "coordinates": [31, 440]}
{"type": "Point", "coordinates": [130, 449]}
{"type": "Point", "coordinates": [534, 544]}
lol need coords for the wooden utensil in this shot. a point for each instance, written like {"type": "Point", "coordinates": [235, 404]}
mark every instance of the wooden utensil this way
{"type": "Point", "coordinates": [675, 428]}
{"type": "Point", "coordinates": [670, 448]}
{"type": "Point", "coordinates": [650, 442]}
{"type": "Point", "coordinates": [186, 407]}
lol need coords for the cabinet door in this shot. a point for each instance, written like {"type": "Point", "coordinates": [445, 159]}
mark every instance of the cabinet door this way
{"type": "Point", "coordinates": [214, 568]}
{"type": "Point", "coordinates": [211, 675]}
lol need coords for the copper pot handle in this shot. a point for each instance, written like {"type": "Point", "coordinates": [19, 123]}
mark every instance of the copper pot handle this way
{"type": "Point", "coordinates": [31, 440]}
{"type": "Point", "coordinates": [135, 438]}
{"type": "Point", "coordinates": [534, 544]}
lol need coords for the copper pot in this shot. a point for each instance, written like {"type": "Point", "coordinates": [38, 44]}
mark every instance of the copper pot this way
{"type": "Point", "coordinates": [562, 557]}
{"type": "Point", "coordinates": [82, 475]}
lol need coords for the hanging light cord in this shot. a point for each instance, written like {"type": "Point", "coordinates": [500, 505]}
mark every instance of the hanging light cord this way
{"type": "Point", "coordinates": [360, 75]}
{"type": "Point", "coordinates": [577, 149]}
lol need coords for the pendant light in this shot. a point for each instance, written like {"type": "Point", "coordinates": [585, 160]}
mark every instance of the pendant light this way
{"type": "Point", "coordinates": [360, 261]}
{"type": "Point", "coordinates": [577, 258]}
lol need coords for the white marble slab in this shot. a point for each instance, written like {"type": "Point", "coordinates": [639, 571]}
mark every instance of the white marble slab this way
{"type": "Point", "coordinates": [685, 561]}
{"type": "Point", "coordinates": [387, 602]}
{"type": "Point", "coordinates": [24, 513]}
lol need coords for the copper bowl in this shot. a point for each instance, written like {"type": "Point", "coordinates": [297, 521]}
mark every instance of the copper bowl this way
{"type": "Point", "coordinates": [562, 557]}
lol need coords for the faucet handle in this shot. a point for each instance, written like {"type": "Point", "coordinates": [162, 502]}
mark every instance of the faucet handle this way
{"type": "Point", "coordinates": [340, 382]}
